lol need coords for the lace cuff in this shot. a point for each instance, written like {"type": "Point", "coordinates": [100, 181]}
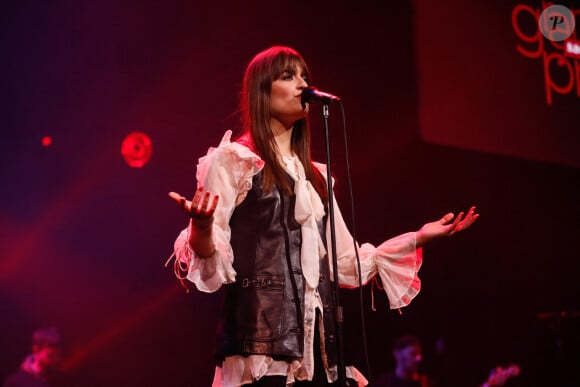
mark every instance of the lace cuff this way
{"type": "Point", "coordinates": [398, 262]}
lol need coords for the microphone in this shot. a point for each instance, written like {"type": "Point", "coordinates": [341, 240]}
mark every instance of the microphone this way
{"type": "Point", "coordinates": [312, 94]}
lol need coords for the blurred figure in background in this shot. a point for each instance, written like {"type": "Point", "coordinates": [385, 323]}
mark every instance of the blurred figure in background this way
{"type": "Point", "coordinates": [499, 376]}
{"type": "Point", "coordinates": [408, 355]}
{"type": "Point", "coordinates": [42, 365]}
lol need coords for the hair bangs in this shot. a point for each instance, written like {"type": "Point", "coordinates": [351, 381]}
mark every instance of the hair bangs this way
{"type": "Point", "coordinates": [281, 60]}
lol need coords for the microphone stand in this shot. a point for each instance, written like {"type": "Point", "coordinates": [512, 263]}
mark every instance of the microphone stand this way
{"type": "Point", "coordinates": [338, 315]}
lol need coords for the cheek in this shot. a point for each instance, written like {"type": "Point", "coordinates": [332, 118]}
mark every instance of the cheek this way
{"type": "Point", "coordinates": [275, 97]}
{"type": "Point", "coordinates": [275, 91]}
{"type": "Point", "coordinates": [281, 92]}
{"type": "Point", "coordinates": [274, 103]}
{"type": "Point", "coordinates": [280, 102]}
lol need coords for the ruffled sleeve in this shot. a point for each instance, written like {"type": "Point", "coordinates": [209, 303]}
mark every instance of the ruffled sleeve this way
{"type": "Point", "coordinates": [397, 261]}
{"type": "Point", "coordinates": [225, 171]}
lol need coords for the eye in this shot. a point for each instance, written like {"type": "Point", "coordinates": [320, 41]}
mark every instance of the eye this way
{"type": "Point", "coordinates": [286, 76]}
{"type": "Point", "coordinates": [306, 78]}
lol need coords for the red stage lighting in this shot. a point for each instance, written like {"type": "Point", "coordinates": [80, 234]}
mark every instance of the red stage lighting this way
{"type": "Point", "coordinates": [136, 149]}
{"type": "Point", "coordinates": [46, 141]}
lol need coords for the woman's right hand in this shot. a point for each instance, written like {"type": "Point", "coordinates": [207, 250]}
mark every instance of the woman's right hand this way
{"type": "Point", "coordinates": [198, 209]}
{"type": "Point", "coordinates": [201, 213]}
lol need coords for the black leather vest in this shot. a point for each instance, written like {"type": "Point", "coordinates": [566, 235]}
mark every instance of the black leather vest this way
{"type": "Point", "coordinates": [263, 310]}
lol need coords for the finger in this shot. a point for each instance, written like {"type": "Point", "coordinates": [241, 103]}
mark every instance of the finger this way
{"type": "Point", "coordinates": [204, 203]}
{"type": "Point", "coordinates": [471, 212]}
{"type": "Point", "coordinates": [454, 227]}
{"type": "Point", "coordinates": [213, 205]}
{"type": "Point", "coordinates": [470, 217]}
{"type": "Point", "coordinates": [474, 215]}
{"type": "Point", "coordinates": [180, 200]}
{"type": "Point", "coordinates": [175, 196]}
{"type": "Point", "coordinates": [469, 221]}
{"type": "Point", "coordinates": [459, 218]}
{"type": "Point", "coordinates": [196, 198]}
{"type": "Point", "coordinates": [445, 219]}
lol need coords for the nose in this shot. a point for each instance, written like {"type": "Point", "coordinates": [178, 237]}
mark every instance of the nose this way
{"type": "Point", "coordinates": [302, 84]}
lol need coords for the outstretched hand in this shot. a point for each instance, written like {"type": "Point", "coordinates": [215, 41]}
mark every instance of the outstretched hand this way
{"type": "Point", "coordinates": [199, 208]}
{"type": "Point", "coordinates": [201, 212]}
{"type": "Point", "coordinates": [442, 227]}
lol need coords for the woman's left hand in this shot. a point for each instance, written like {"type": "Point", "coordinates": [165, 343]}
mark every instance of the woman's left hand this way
{"type": "Point", "coordinates": [442, 227]}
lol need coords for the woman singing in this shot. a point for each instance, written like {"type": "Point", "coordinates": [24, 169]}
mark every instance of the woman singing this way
{"type": "Point", "coordinates": [259, 228]}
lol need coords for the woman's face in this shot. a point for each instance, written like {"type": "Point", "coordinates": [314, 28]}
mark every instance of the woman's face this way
{"type": "Point", "coordinates": [285, 96]}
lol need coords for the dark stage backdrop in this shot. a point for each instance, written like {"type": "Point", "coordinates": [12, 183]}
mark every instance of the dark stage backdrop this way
{"type": "Point", "coordinates": [490, 81]}
{"type": "Point", "coordinates": [83, 237]}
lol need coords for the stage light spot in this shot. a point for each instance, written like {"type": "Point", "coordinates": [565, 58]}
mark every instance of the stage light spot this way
{"type": "Point", "coordinates": [136, 149]}
{"type": "Point", "coordinates": [46, 141]}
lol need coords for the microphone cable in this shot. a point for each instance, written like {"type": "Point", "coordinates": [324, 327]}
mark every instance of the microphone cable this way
{"type": "Point", "coordinates": [353, 228]}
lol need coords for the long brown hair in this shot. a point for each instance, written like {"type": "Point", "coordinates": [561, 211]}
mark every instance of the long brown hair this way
{"type": "Point", "coordinates": [263, 69]}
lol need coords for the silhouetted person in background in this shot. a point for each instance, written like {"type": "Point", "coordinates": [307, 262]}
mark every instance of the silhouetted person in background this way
{"type": "Point", "coordinates": [499, 376]}
{"type": "Point", "coordinates": [408, 355]}
{"type": "Point", "coordinates": [41, 367]}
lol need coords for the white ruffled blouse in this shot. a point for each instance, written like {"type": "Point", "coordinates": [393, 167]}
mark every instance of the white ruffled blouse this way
{"type": "Point", "coordinates": [227, 171]}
